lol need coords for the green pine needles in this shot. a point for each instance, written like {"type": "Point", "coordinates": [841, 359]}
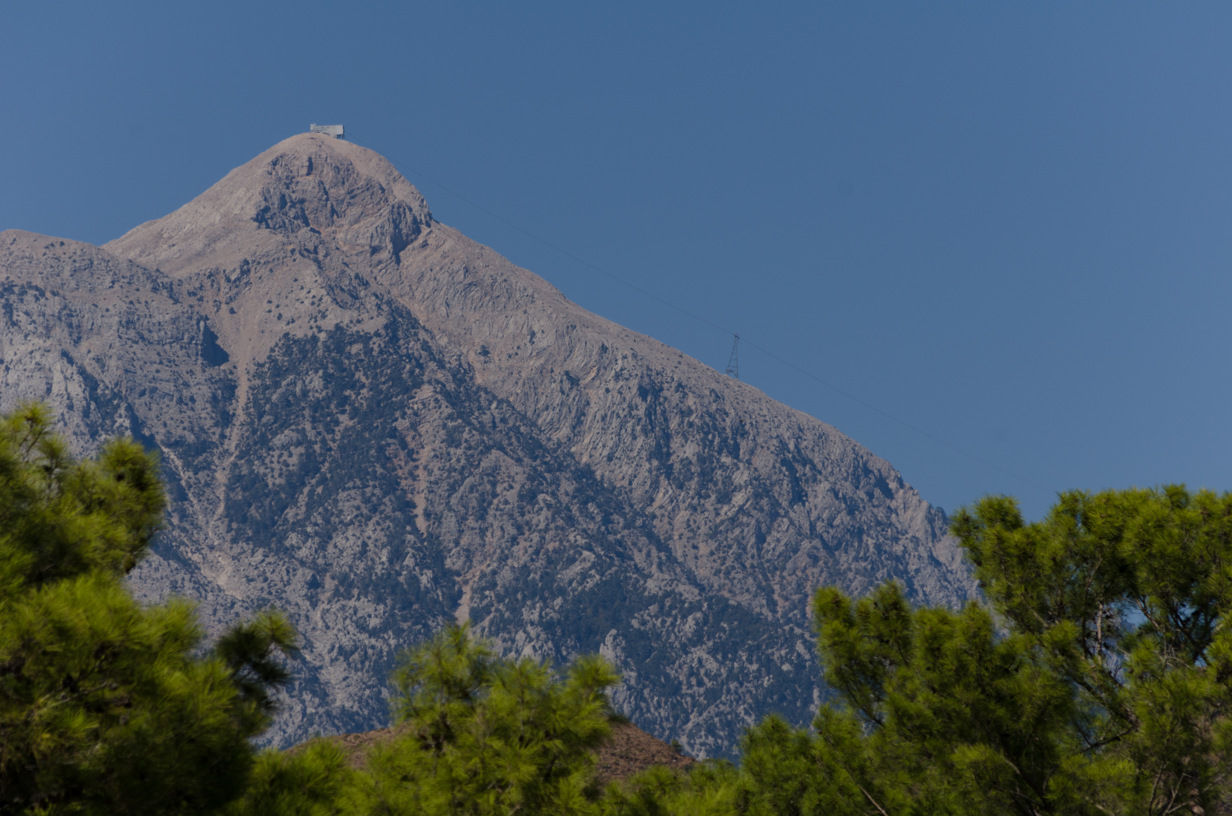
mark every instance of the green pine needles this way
{"type": "Point", "coordinates": [108, 706]}
{"type": "Point", "coordinates": [1096, 680]}
{"type": "Point", "coordinates": [488, 736]}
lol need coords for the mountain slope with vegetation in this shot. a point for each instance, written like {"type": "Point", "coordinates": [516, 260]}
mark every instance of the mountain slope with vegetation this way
{"type": "Point", "coordinates": [1106, 686]}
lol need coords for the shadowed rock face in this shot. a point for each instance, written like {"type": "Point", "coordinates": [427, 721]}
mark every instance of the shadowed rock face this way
{"type": "Point", "coordinates": [376, 424]}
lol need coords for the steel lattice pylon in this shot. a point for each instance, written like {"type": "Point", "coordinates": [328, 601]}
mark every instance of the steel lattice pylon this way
{"type": "Point", "coordinates": [733, 360]}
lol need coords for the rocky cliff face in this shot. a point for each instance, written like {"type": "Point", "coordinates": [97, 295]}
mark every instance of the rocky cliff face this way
{"type": "Point", "coordinates": [376, 424]}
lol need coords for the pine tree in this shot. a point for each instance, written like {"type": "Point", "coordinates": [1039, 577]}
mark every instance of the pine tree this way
{"type": "Point", "coordinates": [482, 735]}
{"type": "Point", "coordinates": [1098, 679]}
{"type": "Point", "coordinates": [108, 706]}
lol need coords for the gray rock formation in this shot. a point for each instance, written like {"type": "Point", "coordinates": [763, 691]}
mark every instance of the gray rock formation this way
{"type": "Point", "coordinates": [375, 424]}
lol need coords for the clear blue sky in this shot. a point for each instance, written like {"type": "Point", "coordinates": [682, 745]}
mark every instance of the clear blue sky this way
{"type": "Point", "coordinates": [996, 236]}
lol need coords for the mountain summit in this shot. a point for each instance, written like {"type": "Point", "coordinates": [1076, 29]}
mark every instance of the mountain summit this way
{"type": "Point", "coordinates": [374, 423]}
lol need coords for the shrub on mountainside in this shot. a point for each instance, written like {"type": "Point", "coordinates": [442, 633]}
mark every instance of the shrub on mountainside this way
{"type": "Point", "coordinates": [108, 706]}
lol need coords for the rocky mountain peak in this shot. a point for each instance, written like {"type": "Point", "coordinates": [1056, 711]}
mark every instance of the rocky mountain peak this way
{"type": "Point", "coordinates": [317, 191]}
{"type": "Point", "coordinates": [376, 424]}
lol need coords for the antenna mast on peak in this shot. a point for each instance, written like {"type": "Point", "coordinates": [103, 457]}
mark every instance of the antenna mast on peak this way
{"type": "Point", "coordinates": [328, 130]}
{"type": "Point", "coordinates": [733, 360]}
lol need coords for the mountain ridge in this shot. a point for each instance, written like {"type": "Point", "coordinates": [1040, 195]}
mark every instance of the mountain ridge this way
{"type": "Point", "coordinates": [378, 424]}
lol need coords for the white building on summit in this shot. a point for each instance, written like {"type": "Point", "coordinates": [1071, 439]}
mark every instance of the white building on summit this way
{"type": "Point", "coordinates": [328, 130]}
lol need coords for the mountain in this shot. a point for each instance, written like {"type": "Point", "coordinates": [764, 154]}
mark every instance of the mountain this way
{"type": "Point", "coordinates": [376, 424]}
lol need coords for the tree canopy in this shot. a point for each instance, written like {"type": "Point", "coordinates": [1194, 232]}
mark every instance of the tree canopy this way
{"type": "Point", "coordinates": [108, 706]}
{"type": "Point", "coordinates": [484, 735]}
{"type": "Point", "coordinates": [1097, 678]}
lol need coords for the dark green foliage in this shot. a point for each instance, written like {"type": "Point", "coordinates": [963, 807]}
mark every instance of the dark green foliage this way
{"type": "Point", "coordinates": [711, 789]}
{"type": "Point", "coordinates": [251, 651]}
{"type": "Point", "coordinates": [1099, 682]}
{"type": "Point", "coordinates": [314, 781]}
{"type": "Point", "coordinates": [490, 736]}
{"type": "Point", "coordinates": [60, 518]}
{"type": "Point", "coordinates": [107, 706]}
{"type": "Point", "coordinates": [1124, 596]}
{"type": "Point", "coordinates": [938, 708]}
